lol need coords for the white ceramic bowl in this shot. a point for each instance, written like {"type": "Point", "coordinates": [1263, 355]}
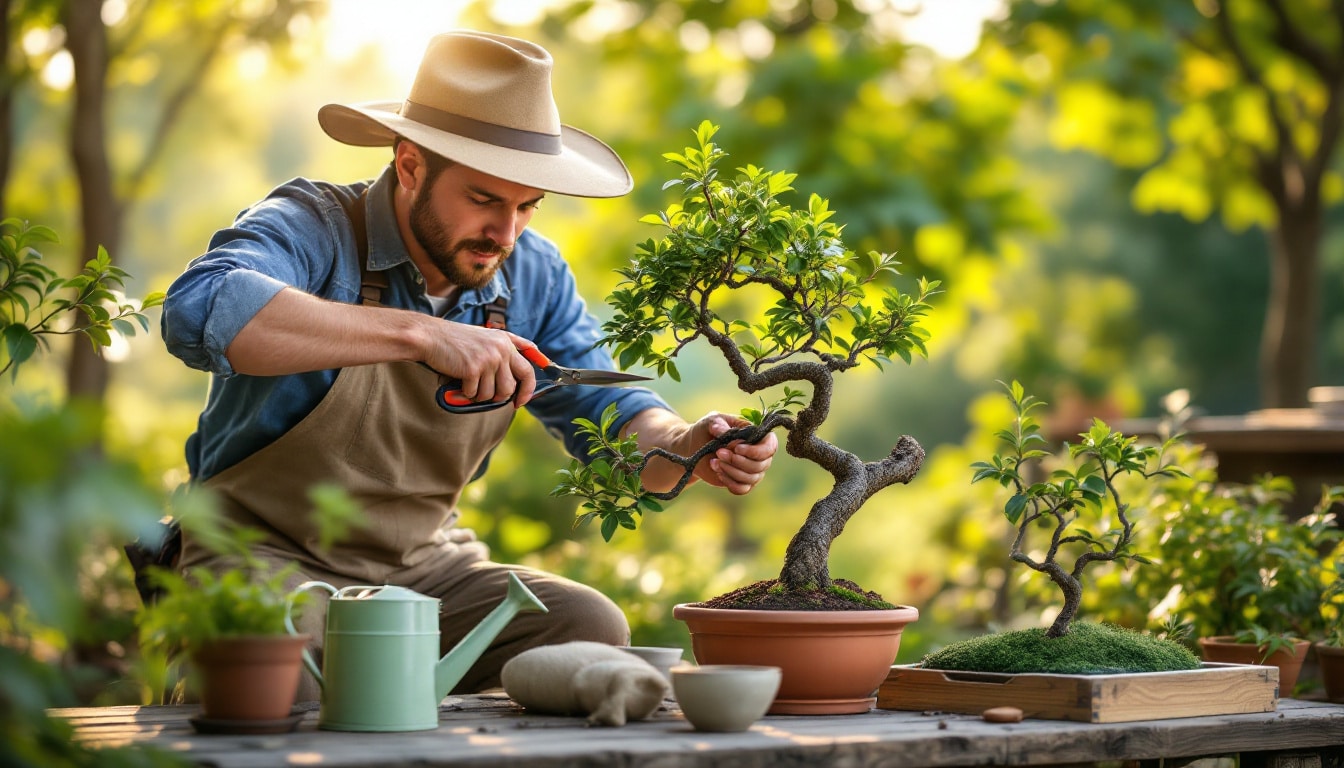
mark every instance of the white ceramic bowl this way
{"type": "Point", "coordinates": [724, 697]}
{"type": "Point", "coordinates": [663, 659]}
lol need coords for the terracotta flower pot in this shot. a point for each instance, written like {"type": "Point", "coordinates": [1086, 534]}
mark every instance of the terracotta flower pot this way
{"type": "Point", "coordinates": [1331, 660]}
{"type": "Point", "coordinates": [1225, 649]}
{"type": "Point", "coordinates": [832, 661]}
{"type": "Point", "coordinates": [250, 677]}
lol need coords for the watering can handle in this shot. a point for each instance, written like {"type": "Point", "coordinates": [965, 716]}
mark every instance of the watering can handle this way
{"type": "Point", "coordinates": [289, 624]}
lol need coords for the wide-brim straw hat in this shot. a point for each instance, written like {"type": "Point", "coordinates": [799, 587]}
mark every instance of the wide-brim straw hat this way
{"type": "Point", "coordinates": [485, 101]}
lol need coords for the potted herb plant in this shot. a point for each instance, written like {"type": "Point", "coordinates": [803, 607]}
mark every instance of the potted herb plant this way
{"type": "Point", "coordinates": [230, 622]}
{"type": "Point", "coordinates": [229, 625]}
{"type": "Point", "coordinates": [831, 313]}
{"type": "Point", "coordinates": [1250, 581]}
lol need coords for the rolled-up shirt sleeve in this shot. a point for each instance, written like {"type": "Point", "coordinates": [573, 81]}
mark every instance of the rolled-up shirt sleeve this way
{"type": "Point", "coordinates": [280, 242]}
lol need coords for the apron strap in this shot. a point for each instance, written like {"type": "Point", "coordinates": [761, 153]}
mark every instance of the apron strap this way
{"type": "Point", "coordinates": [497, 311]}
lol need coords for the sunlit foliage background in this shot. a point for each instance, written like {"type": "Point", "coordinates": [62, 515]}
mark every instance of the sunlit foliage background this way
{"type": "Point", "coordinates": [1085, 245]}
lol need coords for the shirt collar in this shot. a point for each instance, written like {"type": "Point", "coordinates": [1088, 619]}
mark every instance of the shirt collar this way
{"type": "Point", "coordinates": [386, 249]}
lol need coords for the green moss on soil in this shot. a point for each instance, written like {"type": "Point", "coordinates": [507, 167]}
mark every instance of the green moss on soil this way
{"type": "Point", "coordinates": [770, 595]}
{"type": "Point", "coordinates": [875, 603]}
{"type": "Point", "coordinates": [1087, 649]}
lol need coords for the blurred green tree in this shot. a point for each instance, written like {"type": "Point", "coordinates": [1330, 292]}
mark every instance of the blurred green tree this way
{"type": "Point", "coordinates": [129, 61]}
{"type": "Point", "coordinates": [1228, 107]}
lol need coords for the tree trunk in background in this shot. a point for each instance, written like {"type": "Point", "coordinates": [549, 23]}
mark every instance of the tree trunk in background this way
{"type": "Point", "coordinates": [1288, 347]}
{"type": "Point", "coordinates": [7, 88]}
{"type": "Point", "coordinates": [87, 372]}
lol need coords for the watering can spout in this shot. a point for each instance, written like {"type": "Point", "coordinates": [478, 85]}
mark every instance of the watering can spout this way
{"type": "Point", "coordinates": [454, 666]}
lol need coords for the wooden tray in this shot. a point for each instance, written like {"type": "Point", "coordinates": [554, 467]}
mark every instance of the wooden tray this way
{"type": "Point", "coordinates": [1214, 689]}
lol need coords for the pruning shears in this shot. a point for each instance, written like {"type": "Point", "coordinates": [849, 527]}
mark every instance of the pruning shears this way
{"type": "Point", "coordinates": [450, 397]}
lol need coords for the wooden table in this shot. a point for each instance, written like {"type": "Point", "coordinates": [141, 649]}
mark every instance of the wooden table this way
{"type": "Point", "coordinates": [489, 730]}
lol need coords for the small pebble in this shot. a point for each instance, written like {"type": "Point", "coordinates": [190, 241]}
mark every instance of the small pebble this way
{"type": "Point", "coordinates": [1002, 715]}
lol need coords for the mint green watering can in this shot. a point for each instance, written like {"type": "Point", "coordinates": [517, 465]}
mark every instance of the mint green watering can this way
{"type": "Point", "coordinates": [381, 655]}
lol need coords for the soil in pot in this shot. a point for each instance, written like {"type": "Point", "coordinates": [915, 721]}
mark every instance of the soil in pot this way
{"type": "Point", "coordinates": [1226, 649]}
{"type": "Point", "coordinates": [842, 595]}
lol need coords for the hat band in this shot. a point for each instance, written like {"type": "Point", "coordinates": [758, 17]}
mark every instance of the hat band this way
{"type": "Point", "coordinates": [490, 133]}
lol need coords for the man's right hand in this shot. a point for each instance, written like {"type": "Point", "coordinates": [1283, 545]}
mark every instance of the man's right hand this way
{"type": "Point", "coordinates": [486, 360]}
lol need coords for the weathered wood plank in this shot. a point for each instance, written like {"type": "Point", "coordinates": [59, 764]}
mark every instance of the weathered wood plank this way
{"type": "Point", "coordinates": [1216, 689]}
{"type": "Point", "coordinates": [491, 731]}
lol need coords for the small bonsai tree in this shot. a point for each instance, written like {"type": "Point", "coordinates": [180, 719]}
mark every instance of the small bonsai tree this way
{"type": "Point", "coordinates": [830, 314]}
{"type": "Point", "coordinates": [1055, 505]}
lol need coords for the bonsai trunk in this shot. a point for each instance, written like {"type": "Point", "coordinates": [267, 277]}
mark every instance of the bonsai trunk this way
{"type": "Point", "coordinates": [805, 561]}
{"type": "Point", "coordinates": [1073, 596]}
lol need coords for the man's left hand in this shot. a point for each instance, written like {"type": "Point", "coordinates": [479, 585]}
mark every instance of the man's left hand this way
{"type": "Point", "coordinates": [738, 466]}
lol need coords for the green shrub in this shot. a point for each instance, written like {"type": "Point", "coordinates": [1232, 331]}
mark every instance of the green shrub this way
{"type": "Point", "coordinates": [60, 495]}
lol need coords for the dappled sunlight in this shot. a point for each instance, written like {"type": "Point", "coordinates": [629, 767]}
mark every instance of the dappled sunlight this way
{"type": "Point", "coordinates": [494, 743]}
{"type": "Point", "coordinates": [778, 732]}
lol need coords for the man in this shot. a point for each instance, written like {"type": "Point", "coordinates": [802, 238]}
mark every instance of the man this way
{"type": "Point", "coordinates": [328, 315]}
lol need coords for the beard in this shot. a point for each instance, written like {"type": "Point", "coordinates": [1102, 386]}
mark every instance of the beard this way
{"type": "Point", "coordinates": [442, 250]}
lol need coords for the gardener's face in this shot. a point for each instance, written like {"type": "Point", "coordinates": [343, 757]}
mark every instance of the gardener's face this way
{"type": "Point", "coordinates": [466, 223]}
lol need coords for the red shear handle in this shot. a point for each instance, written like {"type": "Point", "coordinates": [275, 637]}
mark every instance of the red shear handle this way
{"type": "Point", "coordinates": [450, 397]}
{"type": "Point", "coordinates": [535, 357]}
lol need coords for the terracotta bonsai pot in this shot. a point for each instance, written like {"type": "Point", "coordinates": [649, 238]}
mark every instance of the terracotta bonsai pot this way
{"type": "Point", "coordinates": [1331, 661]}
{"type": "Point", "coordinates": [1225, 649]}
{"type": "Point", "coordinates": [832, 661]}
{"type": "Point", "coordinates": [249, 677]}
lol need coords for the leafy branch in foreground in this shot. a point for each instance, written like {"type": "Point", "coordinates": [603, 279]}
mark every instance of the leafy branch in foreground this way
{"type": "Point", "coordinates": [31, 310]}
{"type": "Point", "coordinates": [1058, 503]}
{"type": "Point", "coordinates": [831, 312]}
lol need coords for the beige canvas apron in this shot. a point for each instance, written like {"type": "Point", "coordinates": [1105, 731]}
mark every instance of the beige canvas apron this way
{"type": "Point", "coordinates": [379, 435]}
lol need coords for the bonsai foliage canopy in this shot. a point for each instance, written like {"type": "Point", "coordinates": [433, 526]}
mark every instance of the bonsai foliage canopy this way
{"type": "Point", "coordinates": [830, 313]}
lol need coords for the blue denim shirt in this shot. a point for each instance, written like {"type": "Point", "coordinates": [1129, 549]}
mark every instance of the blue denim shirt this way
{"type": "Point", "coordinates": [300, 236]}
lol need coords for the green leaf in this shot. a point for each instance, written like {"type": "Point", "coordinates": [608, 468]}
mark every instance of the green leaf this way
{"type": "Point", "coordinates": [98, 335]}
{"type": "Point", "coordinates": [1015, 507]}
{"type": "Point", "coordinates": [20, 343]}
{"type": "Point", "coordinates": [124, 327]}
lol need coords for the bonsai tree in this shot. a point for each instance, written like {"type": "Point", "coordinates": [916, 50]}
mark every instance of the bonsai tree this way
{"type": "Point", "coordinates": [830, 314]}
{"type": "Point", "coordinates": [1056, 504]}
{"type": "Point", "coordinates": [1054, 507]}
